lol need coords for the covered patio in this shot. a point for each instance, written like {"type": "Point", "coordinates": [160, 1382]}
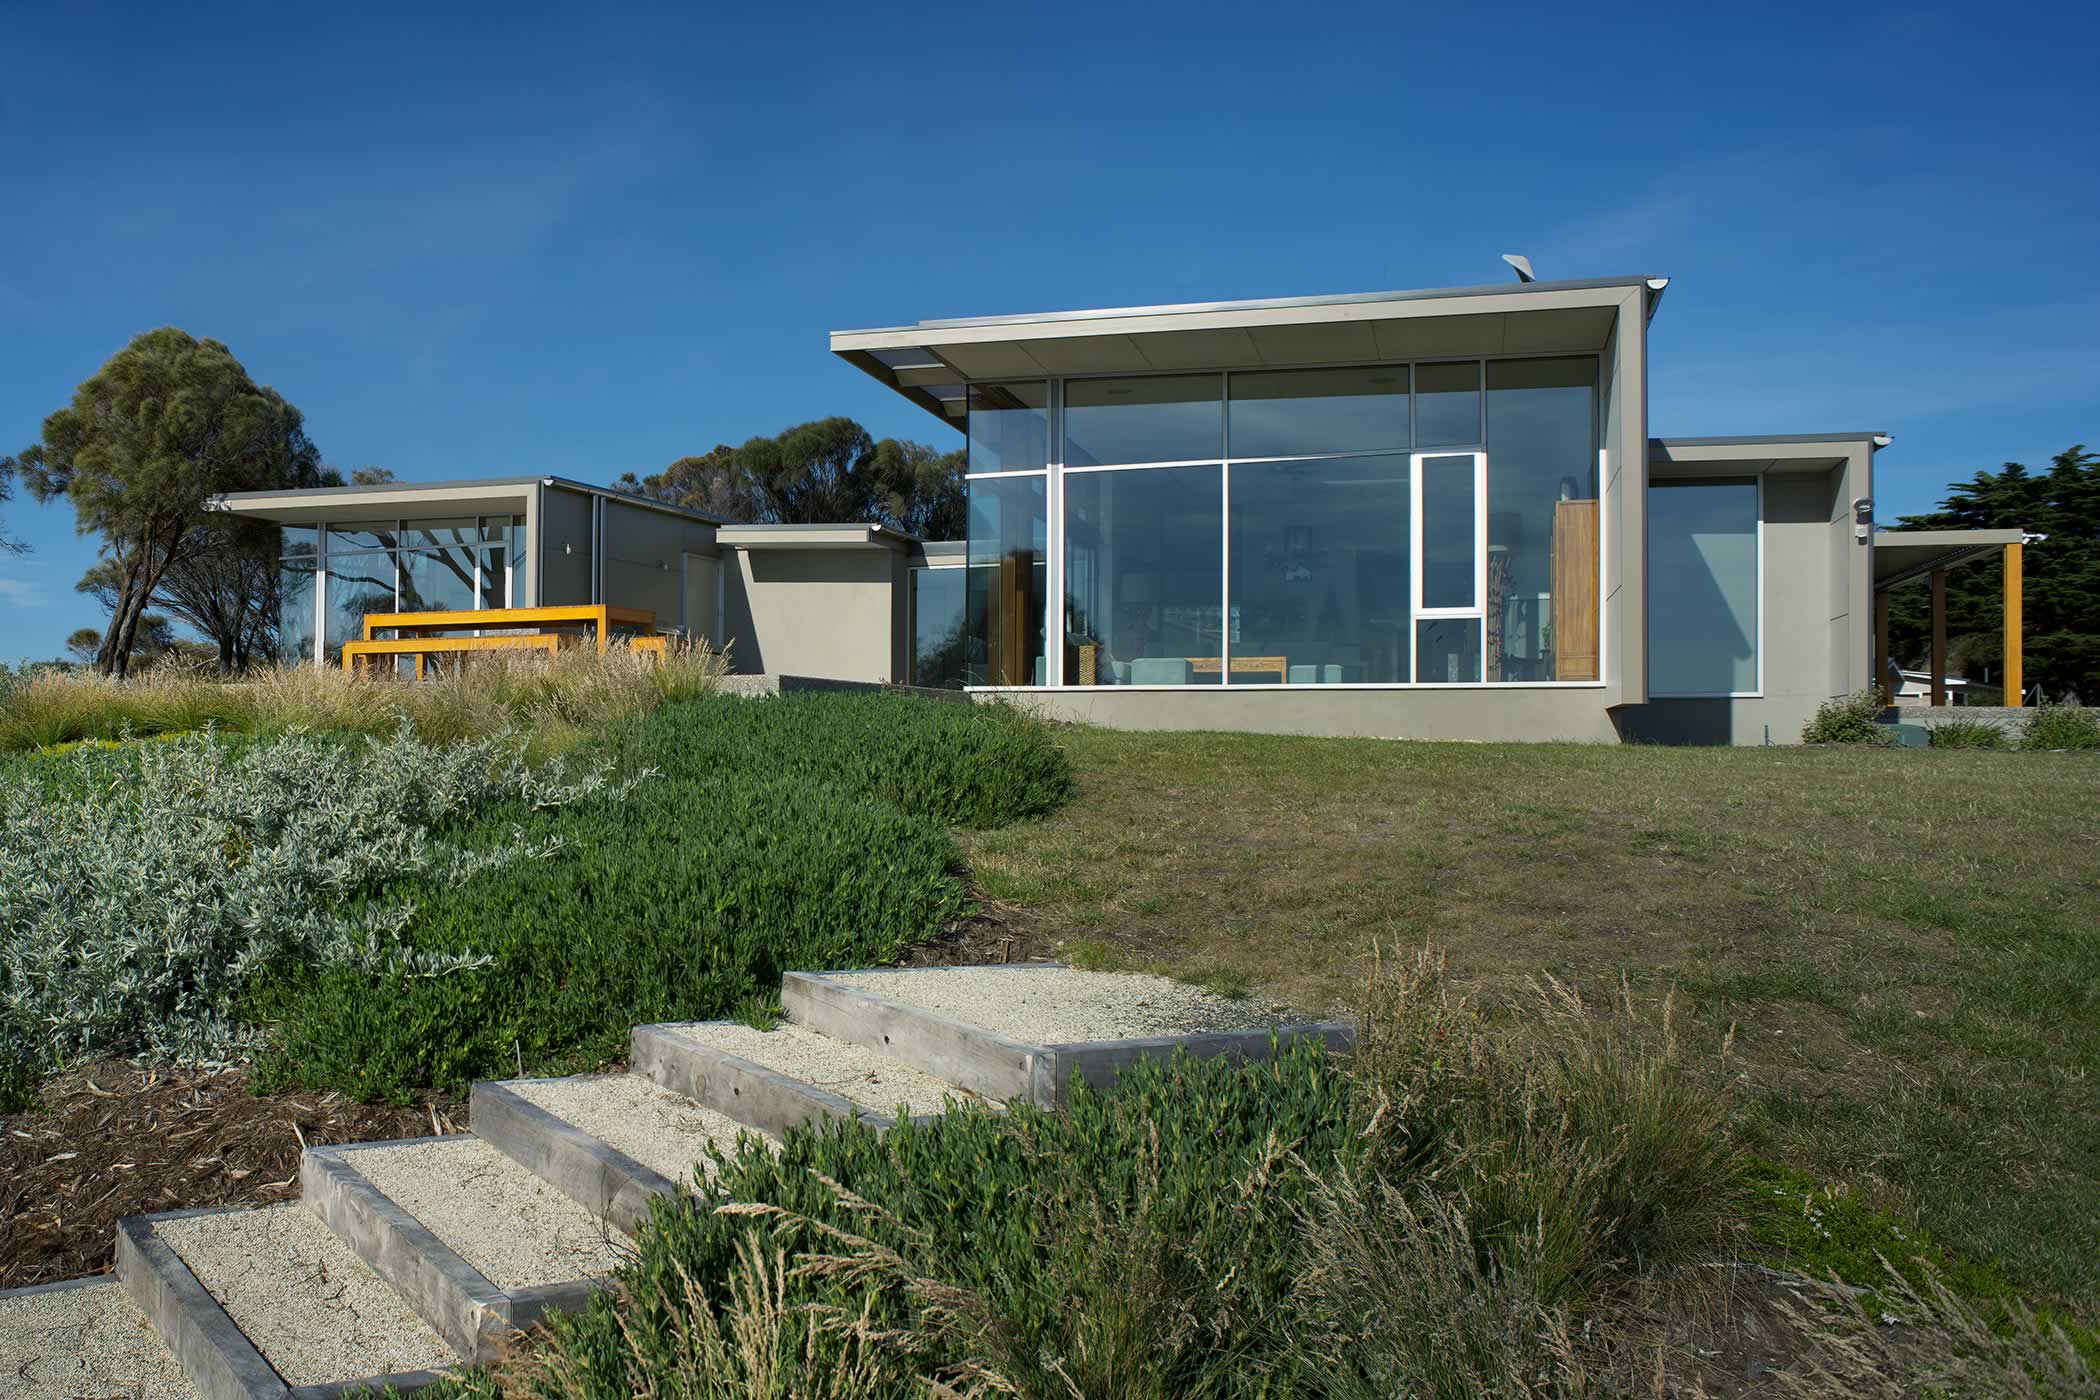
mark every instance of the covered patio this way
{"type": "Point", "coordinates": [1904, 557]}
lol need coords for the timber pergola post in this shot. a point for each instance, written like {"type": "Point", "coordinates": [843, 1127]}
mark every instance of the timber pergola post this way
{"type": "Point", "coordinates": [2014, 581]}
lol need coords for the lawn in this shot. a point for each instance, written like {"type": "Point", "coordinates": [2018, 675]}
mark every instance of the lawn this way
{"type": "Point", "coordinates": [1905, 944]}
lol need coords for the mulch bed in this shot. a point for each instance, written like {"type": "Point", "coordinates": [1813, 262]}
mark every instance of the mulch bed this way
{"type": "Point", "coordinates": [112, 1140]}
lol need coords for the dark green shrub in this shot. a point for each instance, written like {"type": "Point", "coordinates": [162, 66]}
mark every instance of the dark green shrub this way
{"type": "Point", "coordinates": [1849, 719]}
{"type": "Point", "coordinates": [681, 903]}
{"type": "Point", "coordinates": [2061, 727]}
{"type": "Point", "coordinates": [1967, 734]}
{"type": "Point", "coordinates": [1140, 1240]}
{"type": "Point", "coordinates": [959, 765]}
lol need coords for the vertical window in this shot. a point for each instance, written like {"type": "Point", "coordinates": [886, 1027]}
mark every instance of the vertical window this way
{"type": "Point", "coordinates": [1157, 418]}
{"type": "Point", "coordinates": [1144, 576]}
{"type": "Point", "coordinates": [1542, 520]}
{"type": "Point", "coordinates": [939, 609]}
{"type": "Point", "coordinates": [1010, 426]}
{"type": "Point", "coordinates": [1449, 616]}
{"type": "Point", "coordinates": [1008, 586]}
{"type": "Point", "coordinates": [1702, 588]}
{"type": "Point", "coordinates": [295, 594]}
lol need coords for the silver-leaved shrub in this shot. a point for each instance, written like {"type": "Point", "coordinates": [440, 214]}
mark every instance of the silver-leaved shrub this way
{"type": "Point", "coordinates": [143, 887]}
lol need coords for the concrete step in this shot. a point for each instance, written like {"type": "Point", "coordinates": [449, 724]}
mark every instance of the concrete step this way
{"type": "Point", "coordinates": [85, 1336]}
{"type": "Point", "coordinates": [609, 1142]}
{"type": "Point", "coordinates": [267, 1304]}
{"type": "Point", "coordinates": [1020, 1032]}
{"type": "Point", "coordinates": [477, 1245]}
{"type": "Point", "coordinates": [792, 1074]}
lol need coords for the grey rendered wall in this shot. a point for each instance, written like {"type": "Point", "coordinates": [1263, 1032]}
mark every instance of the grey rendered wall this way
{"type": "Point", "coordinates": [1624, 440]}
{"type": "Point", "coordinates": [1491, 713]}
{"type": "Point", "coordinates": [1851, 578]}
{"type": "Point", "coordinates": [1814, 602]}
{"type": "Point", "coordinates": [831, 613]}
{"type": "Point", "coordinates": [643, 559]}
{"type": "Point", "coordinates": [564, 552]}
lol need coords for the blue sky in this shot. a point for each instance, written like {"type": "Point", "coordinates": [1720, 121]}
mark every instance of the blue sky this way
{"type": "Point", "coordinates": [472, 240]}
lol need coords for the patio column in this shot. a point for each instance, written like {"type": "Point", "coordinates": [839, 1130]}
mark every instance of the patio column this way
{"type": "Point", "coordinates": [1939, 638]}
{"type": "Point", "coordinates": [2013, 581]}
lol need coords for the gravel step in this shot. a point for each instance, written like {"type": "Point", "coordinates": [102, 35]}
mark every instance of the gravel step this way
{"type": "Point", "coordinates": [514, 1228]}
{"type": "Point", "coordinates": [268, 1302]}
{"type": "Point", "coordinates": [609, 1142]}
{"type": "Point", "coordinates": [84, 1337]}
{"type": "Point", "coordinates": [876, 1083]}
{"type": "Point", "coordinates": [1024, 1031]}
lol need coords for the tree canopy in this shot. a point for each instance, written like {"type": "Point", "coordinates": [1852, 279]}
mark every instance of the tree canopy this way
{"type": "Point", "coordinates": [820, 472]}
{"type": "Point", "coordinates": [2060, 584]}
{"type": "Point", "coordinates": [169, 422]}
{"type": "Point", "coordinates": [8, 544]}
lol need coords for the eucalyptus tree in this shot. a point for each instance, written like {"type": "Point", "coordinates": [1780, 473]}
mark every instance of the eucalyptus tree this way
{"type": "Point", "coordinates": [169, 422]}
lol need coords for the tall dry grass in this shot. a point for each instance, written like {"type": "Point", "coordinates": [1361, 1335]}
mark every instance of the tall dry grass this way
{"type": "Point", "coordinates": [551, 700]}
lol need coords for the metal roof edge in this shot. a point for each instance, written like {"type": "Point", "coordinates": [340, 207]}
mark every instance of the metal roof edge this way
{"type": "Point", "coordinates": [1262, 304]}
{"type": "Point", "coordinates": [1879, 439]}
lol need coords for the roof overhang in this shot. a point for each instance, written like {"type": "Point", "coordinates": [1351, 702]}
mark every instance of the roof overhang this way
{"type": "Point", "coordinates": [1901, 556]}
{"type": "Point", "coordinates": [402, 500]}
{"type": "Point", "coordinates": [1671, 458]}
{"type": "Point", "coordinates": [933, 363]}
{"type": "Point", "coordinates": [812, 537]}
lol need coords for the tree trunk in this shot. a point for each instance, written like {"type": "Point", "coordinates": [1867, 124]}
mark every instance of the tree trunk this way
{"type": "Point", "coordinates": [106, 655]}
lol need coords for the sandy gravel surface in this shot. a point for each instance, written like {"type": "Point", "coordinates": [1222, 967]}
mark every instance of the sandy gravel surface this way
{"type": "Point", "coordinates": [867, 1077]}
{"type": "Point", "coordinates": [506, 1222]}
{"type": "Point", "coordinates": [1058, 1006]}
{"type": "Point", "coordinates": [85, 1341]}
{"type": "Point", "coordinates": [311, 1306]}
{"type": "Point", "coordinates": [664, 1131]}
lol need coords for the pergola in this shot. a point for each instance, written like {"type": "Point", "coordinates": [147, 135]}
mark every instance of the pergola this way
{"type": "Point", "coordinates": [1906, 556]}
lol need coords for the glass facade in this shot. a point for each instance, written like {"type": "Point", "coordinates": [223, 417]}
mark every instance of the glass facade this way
{"type": "Point", "coordinates": [1144, 569]}
{"type": "Point", "coordinates": [1008, 599]}
{"type": "Point", "coordinates": [367, 567]}
{"type": "Point", "coordinates": [939, 614]}
{"type": "Point", "coordinates": [1406, 524]}
{"type": "Point", "coordinates": [1703, 587]}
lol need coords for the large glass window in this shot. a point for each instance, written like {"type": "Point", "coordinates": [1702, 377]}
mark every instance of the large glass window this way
{"type": "Point", "coordinates": [1447, 405]}
{"type": "Point", "coordinates": [1144, 576]}
{"type": "Point", "coordinates": [1157, 418]}
{"type": "Point", "coordinates": [1010, 426]}
{"type": "Point", "coordinates": [358, 585]}
{"type": "Point", "coordinates": [1542, 520]}
{"type": "Point", "coordinates": [1311, 412]}
{"type": "Point", "coordinates": [1320, 570]}
{"type": "Point", "coordinates": [939, 609]}
{"type": "Point", "coordinates": [1702, 587]}
{"type": "Point", "coordinates": [1450, 563]}
{"type": "Point", "coordinates": [1009, 585]}
{"type": "Point", "coordinates": [295, 594]}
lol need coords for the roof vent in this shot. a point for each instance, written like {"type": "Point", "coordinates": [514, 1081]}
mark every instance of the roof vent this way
{"type": "Point", "coordinates": [1523, 266]}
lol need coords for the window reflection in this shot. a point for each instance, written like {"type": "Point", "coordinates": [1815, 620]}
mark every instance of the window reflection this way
{"type": "Point", "coordinates": [1009, 586]}
{"type": "Point", "coordinates": [1702, 587]}
{"type": "Point", "coordinates": [1447, 405]}
{"type": "Point", "coordinates": [1144, 578]}
{"type": "Point", "coordinates": [939, 606]}
{"type": "Point", "coordinates": [1010, 426]}
{"type": "Point", "coordinates": [1319, 591]}
{"type": "Point", "coordinates": [1542, 520]}
{"type": "Point", "coordinates": [1156, 418]}
{"type": "Point", "coordinates": [1308, 412]}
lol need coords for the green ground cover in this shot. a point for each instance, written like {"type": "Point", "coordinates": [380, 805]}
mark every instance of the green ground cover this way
{"type": "Point", "coordinates": [1905, 944]}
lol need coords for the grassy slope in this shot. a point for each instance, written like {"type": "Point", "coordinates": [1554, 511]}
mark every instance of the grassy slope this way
{"type": "Point", "coordinates": [1908, 943]}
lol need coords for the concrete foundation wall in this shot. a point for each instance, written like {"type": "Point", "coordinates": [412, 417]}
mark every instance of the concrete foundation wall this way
{"type": "Point", "coordinates": [1488, 714]}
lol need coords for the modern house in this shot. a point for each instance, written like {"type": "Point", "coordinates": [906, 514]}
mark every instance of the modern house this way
{"type": "Point", "coordinates": [1421, 514]}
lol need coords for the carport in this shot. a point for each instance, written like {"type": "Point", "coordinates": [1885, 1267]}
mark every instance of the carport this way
{"type": "Point", "coordinates": [1907, 556]}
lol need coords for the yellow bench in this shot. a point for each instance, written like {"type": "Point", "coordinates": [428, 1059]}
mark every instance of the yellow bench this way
{"type": "Point", "coordinates": [599, 615]}
{"type": "Point", "coordinates": [422, 647]}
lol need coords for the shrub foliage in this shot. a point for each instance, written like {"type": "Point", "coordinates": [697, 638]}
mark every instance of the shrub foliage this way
{"type": "Point", "coordinates": [142, 887]}
{"type": "Point", "coordinates": [2061, 727]}
{"type": "Point", "coordinates": [1849, 719]}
